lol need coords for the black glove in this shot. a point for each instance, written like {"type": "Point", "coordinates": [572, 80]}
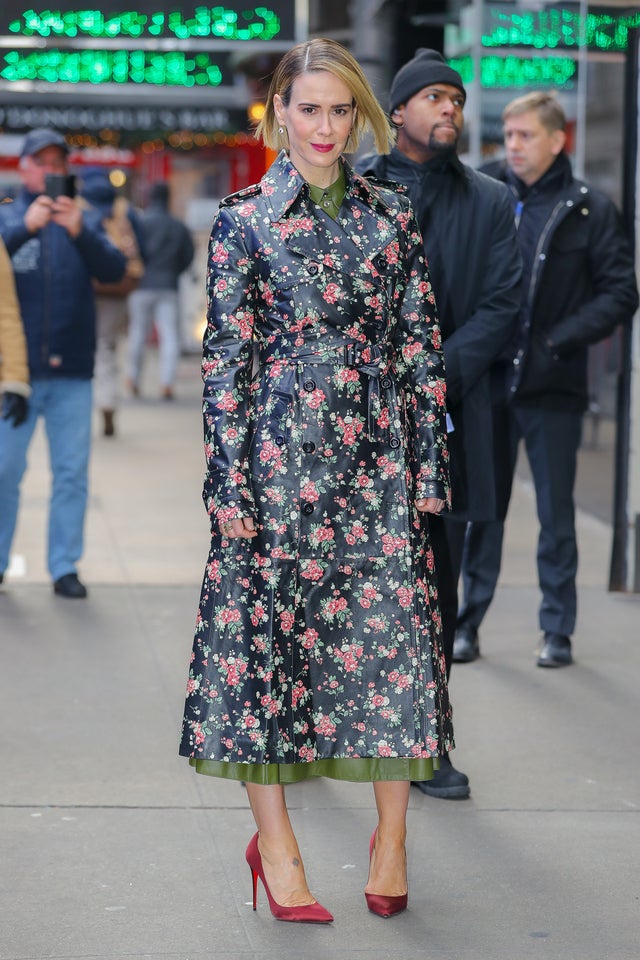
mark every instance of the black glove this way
{"type": "Point", "coordinates": [14, 407]}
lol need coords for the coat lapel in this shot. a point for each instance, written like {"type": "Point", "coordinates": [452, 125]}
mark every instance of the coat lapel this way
{"type": "Point", "coordinates": [368, 227]}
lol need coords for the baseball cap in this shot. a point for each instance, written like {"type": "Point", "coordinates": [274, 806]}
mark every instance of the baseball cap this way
{"type": "Point", "coordinates": [40, 138]}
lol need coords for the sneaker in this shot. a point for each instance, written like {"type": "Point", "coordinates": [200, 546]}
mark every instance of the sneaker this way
{"type": "Point", "coordinates": [70, 586]}
{"type": "Point", "coordinates": [466, 647]}
{"type": "Point", "coordinates": [556, 651]}
{"type": "Point", "coordinates": [447, 782]}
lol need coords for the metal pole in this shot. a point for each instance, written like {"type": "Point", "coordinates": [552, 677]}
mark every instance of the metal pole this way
{"type": "Point", "coordinates": [369, 41]}
{"type": "Point", "coordinates": [624, 569]}
{"type": "Point", "coordinates": [581, 93]}
{"type": "Point", "coordinates": [473, 107]}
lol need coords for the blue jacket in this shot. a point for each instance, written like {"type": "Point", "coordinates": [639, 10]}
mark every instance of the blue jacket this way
{"type": "Point", "coordinates": [53, 275]}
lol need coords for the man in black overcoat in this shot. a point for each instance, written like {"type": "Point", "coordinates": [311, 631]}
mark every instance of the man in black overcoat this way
{"type": "Point", "coordinates": [470, 243]}
{"type": "Point", "coordinates": [578, 285]}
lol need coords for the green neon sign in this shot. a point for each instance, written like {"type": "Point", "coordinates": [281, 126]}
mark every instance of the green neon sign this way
{"type": "Point", "coordinates": [560, 28]}
{"type": "Point", "coordinates": [175, 68]}
{"type": "Point", "coordinates": [505, 73]}
{"type": "Point", "coordinates": [195, 23]}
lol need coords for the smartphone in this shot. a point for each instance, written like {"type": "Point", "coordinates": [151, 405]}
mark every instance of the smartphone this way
{"type": "Point", "coordinates": [59, 185]}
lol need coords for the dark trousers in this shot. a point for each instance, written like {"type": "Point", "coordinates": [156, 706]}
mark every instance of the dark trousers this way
{"type": "Point", "coordinates": [447, 540]}
{"type": "Point", "coordinates": [551, 439]}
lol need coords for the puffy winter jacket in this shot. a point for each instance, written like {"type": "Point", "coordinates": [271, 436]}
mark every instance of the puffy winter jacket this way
{"type": "Point", "coordinates": [53, 275]}
{"type": "Point", "coordinates": [14, 373]}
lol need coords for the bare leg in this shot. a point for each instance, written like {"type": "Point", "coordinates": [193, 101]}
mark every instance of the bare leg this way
{"type": "Point", "coordinates": [281, 860]}
{"type": "Point", "coordinates": [388, 872]}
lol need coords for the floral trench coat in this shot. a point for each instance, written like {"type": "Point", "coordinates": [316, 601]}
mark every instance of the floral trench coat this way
{"type": "Point", "coordinates": [324, 416]}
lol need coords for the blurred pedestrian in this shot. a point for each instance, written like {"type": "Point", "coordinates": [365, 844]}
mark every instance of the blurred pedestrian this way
{"type": "Point", "coordinates": [316, 651]}
{"type": "Point", "coordinates": [124, 228]}
{"type": "Point", "coordinates": [579, 284]}
{"type": "Point", "coordinates": [470, 245]}
{"type": "Point", "coordinates": [169, 251]}
{"type": "Point", "coordinates": [55, 249]}
{"type": "Point", "coordinates": [14, 369]}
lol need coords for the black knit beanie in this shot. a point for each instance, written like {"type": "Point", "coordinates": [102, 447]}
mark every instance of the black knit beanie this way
{"type": "Point", "coordinates": [427, 67]}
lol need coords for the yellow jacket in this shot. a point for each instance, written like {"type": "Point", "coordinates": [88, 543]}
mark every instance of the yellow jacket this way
{"type": "Point", "coordinates": [14, 369]}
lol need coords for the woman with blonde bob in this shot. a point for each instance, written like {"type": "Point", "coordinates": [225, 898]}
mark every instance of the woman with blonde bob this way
{"type": "Point", "coordinates": [317, 640]}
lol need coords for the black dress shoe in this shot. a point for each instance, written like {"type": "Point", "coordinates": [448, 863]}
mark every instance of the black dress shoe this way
{"type": "Point", "coordinates": [70, 586]}
{"type": "Point", "coordinates": [109, 428]}
{"type": "Point", "coordinates": [447, 782]}
{"type": "Point", "coordinates": [556, 651]}
{"type": "Point", "coordinates": [466, 647]}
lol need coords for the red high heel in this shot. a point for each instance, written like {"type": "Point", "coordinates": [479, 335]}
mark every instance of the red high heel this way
{"type": "Point", "coordinates": [306, 913]}
{"type": "Point", "coordinates": [384, 906]}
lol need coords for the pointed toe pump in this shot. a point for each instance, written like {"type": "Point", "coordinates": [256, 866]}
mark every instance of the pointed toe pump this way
{"type": "Point", "coordinates": [305, 913]}
{"type": "Point", "coordinates": [378, 904]}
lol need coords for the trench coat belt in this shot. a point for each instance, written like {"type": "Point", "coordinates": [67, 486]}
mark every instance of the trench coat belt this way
{"type": "Point", "coordinates": [372, 359]}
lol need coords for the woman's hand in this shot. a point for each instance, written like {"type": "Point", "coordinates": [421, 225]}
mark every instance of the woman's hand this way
{"type": "Point", "coordinates": [430, 505]}
{"type": "Point", "coordinates": [240, 527]}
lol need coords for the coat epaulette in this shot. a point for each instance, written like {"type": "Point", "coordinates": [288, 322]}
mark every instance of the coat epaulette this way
{"type": "Point", "coordinates": [240, 195]}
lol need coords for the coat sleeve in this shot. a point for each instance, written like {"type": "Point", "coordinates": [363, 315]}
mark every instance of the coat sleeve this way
{"type": "Point", "coordinates": [420, 368]}
{"type": "Point", "coordinates": [613, 282]}
{"type": "Point", "coordinates": [226, 371]}
{"type": "Point", "coordinates": [484, 336]}
{"type": "Point", "coordinates": [14, 371]}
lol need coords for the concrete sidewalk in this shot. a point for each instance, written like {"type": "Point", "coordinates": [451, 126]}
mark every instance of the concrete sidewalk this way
{"type": "Point", "coordinates": [111, 848]}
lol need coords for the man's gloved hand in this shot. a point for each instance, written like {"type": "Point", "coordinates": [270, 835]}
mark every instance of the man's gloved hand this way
{"type": "Point", "coordinates": [14, 407]}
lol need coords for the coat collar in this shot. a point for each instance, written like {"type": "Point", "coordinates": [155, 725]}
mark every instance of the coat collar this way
{"type": "Point", "coordinates": [369, 226]}
{"type": "Point", "coordinates": [282, 185]}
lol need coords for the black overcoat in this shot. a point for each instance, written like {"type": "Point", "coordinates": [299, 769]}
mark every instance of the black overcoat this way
{"type": "Point", "coordinates": [467, 223]}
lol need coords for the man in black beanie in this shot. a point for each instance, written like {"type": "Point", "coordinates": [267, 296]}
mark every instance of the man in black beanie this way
{"type": "Point", "coordinates": [470, 242]}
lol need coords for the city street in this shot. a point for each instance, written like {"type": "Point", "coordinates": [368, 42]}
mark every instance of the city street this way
{"type": "Point", "coordinates": [111, 848]}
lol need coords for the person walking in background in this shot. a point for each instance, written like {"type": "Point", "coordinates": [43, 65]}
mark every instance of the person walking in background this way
{"type": "Point", "coordinates": [56, 249]}
{"type": "Point", "coordinates": [123, 227]}
{"type": "Point", "coordinates": [579, 284]}
{"type": "Point", "coordinates": [470, 245]}
{"type": "Point", "coordinates": [169, 251]}
{"type": "Point", "coordinates": [316, 650]}
{"type": "Point", "coordinates": [14, 369]}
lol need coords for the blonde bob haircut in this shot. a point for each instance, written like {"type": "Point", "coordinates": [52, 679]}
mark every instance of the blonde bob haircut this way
{"type": "Point", "coordinates": [323, 54]}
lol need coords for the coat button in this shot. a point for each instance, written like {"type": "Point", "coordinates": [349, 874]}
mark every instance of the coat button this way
{"type": "Point", "coordinates": [385, 383]}
{"type": "Point", "coordinates": [308, 508]}
{"type": "Point", "coordinates": [394, 442]}
{"type": "Point", "coordinates": [308, 446]}
{"type": "Point", "coordinates": [313, 269]}
{"type": "Point", "coordinates": [309, 385]}
{"type": "Point", "coordinates": [280, 440]}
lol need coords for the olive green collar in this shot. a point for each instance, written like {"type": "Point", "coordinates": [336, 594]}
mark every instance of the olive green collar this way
{"type": "Point", "coordinates": [330, 198]}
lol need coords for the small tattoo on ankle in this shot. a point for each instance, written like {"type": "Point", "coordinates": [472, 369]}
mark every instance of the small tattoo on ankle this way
{"type": "Point", "coordinates": [296, 862]}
